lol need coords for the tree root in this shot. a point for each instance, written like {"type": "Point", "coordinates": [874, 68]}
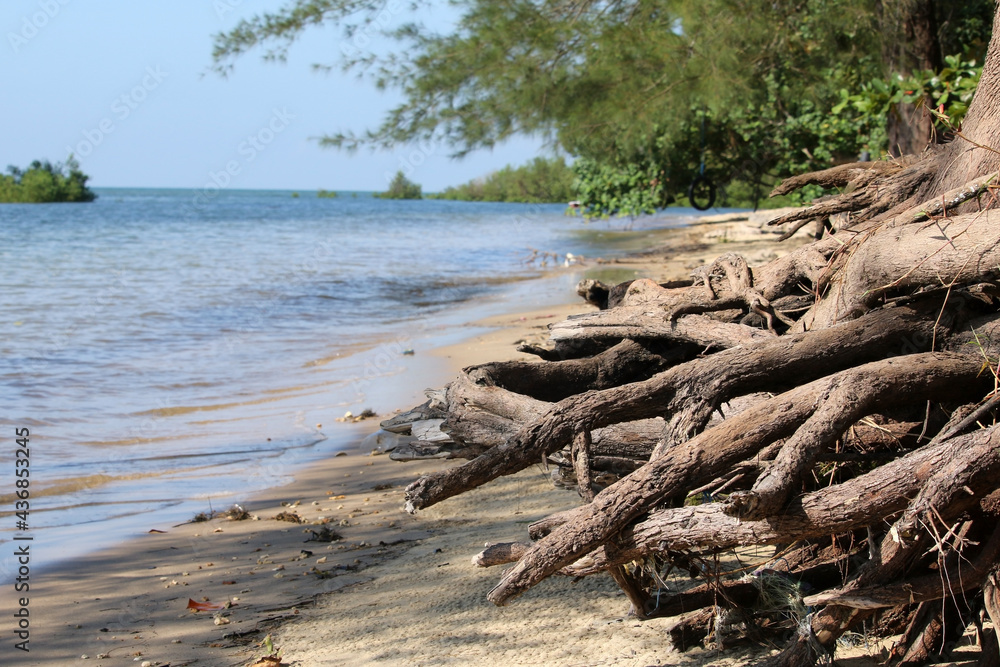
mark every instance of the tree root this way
{"type": "Point", "coordinates": [681, 393]}
{"type": "Point", "coordinates": [864, 359]}
{"type": "Point", "coordinates": [627, 361]}
{"type": "Point", "coordinates": [855, 174]}
{"type": "Point", "coordinates": [709, 453]}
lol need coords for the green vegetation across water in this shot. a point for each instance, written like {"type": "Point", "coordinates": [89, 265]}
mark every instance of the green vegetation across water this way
{"type": "Point", "coordinates": [44, 182]}
{"type": "Point", "coordinates": [401, 188]}
{"type": "Point", "coordinates": [543, 180]}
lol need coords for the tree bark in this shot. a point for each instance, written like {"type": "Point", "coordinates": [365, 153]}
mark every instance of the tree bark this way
{"type": "Point", "coordinates": [708, 454]}
{"type": "Point", "coordinates": [688, 393]}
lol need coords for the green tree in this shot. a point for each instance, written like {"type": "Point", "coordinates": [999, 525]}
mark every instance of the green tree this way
{"type": "Point", "coordinates": [401, 188]}
{"type": "Point", "coordinates": [626, 84]}
{"type": "Point", "coordinates": [543, 180]}
{"type": "Point", "coordinates": [44, 182]}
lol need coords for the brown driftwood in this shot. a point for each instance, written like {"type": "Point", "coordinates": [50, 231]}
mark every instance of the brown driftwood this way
{"type": "Point", "coordinates": [956, 579]}
{"type": "Point", "coordinates": [482, 416]}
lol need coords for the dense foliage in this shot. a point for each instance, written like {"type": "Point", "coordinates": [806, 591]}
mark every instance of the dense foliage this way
{"type": "Point", "coordinates": [543, 180]}
{"type": "Point", "coordinates": [626, 85]}
{"type": "Point", "coordinates": [44, 182]}
{"type": "Point", "coordinates": [401, 188]}
{"type": "Point", "coordinates": [944, 94]}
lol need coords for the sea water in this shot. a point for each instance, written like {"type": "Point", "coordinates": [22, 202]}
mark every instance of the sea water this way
{"type": "Point", "coordinates": [176, 351]}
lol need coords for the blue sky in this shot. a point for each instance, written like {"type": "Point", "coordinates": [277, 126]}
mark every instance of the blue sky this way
{"type": "Point", "coordinates": [124, 84]}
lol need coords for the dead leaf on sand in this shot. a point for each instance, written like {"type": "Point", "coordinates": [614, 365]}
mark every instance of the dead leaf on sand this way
{"type": "Point", "coordinates": [207, 606]}
{"type": "Point", "coordinates": [268, 661]}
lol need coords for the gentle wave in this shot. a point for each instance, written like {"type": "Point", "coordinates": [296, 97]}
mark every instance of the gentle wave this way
{"type": "Point", "coordinates": [160, 349]}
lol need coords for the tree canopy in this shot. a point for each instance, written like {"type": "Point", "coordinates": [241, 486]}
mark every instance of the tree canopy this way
{"type": "Point", "coordinates": [627, 85]}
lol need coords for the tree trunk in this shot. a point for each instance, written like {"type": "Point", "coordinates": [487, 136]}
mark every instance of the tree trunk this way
{"type": "Point", "coordinates": [916, 47]}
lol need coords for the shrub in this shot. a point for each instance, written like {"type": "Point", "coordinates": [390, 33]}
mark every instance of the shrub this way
{"type": "Point", "coordinates": [44, 182]}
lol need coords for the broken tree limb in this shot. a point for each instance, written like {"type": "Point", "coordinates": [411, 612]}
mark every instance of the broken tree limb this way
{"type": "Point", "coordinates": [500, 554]}
{"type": "Point", "coordinates": [941, 204]}
{"type": "Point", "coordinates": [581, 464]}
{"type": "Point", "coordinates": [486, 416]}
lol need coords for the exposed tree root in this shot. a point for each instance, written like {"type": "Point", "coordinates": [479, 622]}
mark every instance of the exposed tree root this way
{"type": "Point", "coordinates": [681, 393]}
{"type": "Point", "coordinates": [834, 408]}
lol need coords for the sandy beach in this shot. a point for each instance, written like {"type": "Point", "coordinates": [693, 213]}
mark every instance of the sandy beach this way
{"type": "Point", "coordinates": [337, 574]}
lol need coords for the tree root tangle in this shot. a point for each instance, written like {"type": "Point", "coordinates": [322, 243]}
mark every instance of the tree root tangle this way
{"type": "Point", "coordinates": [833, 408]}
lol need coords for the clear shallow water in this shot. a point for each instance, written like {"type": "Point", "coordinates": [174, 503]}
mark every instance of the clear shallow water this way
{"type": "Point", "coordinates": [166, 349]}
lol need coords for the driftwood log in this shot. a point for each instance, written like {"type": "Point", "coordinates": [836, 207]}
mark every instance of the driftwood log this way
{"type": "Point", "coordinates": [834, 408]}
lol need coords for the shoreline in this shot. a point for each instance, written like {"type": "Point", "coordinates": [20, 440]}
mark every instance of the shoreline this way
{"type": "Point", "coordinates": [130, 601]}
{"type": "Point", "coordinates": [133, 594]}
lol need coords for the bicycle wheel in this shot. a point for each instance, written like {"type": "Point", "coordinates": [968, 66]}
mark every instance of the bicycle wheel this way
{"type": "Point", "coordinates": [701, 193]}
